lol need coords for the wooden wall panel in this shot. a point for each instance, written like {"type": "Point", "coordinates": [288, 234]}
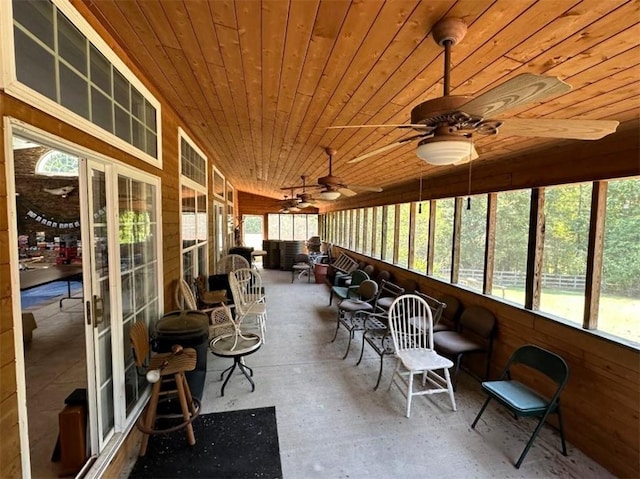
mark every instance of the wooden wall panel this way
{"type": "Point", "coordinates": [601, 404]}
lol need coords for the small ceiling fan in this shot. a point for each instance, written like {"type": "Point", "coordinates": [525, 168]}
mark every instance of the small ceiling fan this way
{"type": "Point", "coordinates": [332, 187]}
{"type": "Point", "coordinates": [289, 205]}
{"type": "Point", "coordinates": [445, 125]}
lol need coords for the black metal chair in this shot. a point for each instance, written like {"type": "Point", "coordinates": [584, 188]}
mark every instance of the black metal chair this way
{"type": "Point", "coordinates": [351, 310]}
{"type": "Point", "coordinates": [522, 400]}
{"type": "Point", "coordinates": [375, 325]}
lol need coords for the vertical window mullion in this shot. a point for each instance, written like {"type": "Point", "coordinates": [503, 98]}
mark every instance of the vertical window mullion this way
{"type": "Point", "coordinates": [595, 254]}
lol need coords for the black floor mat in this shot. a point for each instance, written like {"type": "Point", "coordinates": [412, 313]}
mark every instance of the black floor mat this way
{"type": "Point", "coordinates": [234, 444]}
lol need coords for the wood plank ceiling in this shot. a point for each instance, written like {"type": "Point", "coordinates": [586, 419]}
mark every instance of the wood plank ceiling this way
{"type": "Point", "coordinates": [258, 81]}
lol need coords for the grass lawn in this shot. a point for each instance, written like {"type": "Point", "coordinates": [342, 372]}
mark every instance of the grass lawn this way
{"type": "Point", "coordinates": [618, 315]}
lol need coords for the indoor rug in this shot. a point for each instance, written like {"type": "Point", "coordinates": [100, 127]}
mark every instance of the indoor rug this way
{"type": "Point", "coordinates": [230, 445]}
{"type": "Point", "coordinates": [48, 293]}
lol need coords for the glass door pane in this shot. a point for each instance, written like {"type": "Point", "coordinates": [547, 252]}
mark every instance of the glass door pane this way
{"type": "Point", "coordinates": [99, 305]}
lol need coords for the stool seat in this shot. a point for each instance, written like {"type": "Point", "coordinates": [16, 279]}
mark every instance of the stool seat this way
{"type": "Point", "coordinates": [181, 363]}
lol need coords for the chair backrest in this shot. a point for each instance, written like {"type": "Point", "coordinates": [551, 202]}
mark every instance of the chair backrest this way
{"type": "Point", "coordinates": [548, 363]}
{"type": "Point", "coordinates": [139, 337]}
{"type": "Point", "coordinates": [231, 262]}
{"type": "Point", "coordinates": [246, 288]}
{"type": "Point", "coordinates": [478, 321]}
{"type": "Point", "coordinates": [357, 277]}
{"type": "Point", "coordinates": [369, 269]}
{"type": "Point", "coordinates": [383, 275]}
{"type": "Point", "coordinates": [387, 289]}
{"type": "Point", "coordinates": [344, 264]}
{"type": "Point", "coordinates": [437, 307]}
{"type": "Point", "coordinates": [185, 299]}
{"type": "Point", "coordinates": [411, 323]}
{"type": "Point", "coordinates": [368, 290]}
{"type": "Point", "coordinates": [452, 310]}
{"type": "Point", "coordinates": [410, 285]}
{"type": "Point", "coordinates": [301, 258]}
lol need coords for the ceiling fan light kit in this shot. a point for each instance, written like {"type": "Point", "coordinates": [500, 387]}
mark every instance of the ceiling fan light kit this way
{"type": "Point", "coordinates": [446, 150]}
{"type": "Point", "coordinates": [330, 195]}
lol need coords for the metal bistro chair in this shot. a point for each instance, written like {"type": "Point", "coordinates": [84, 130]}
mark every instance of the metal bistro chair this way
{"type": "Point", "coordinates": [343, 292]}
{"type": "Point", "coordinates": [521, 400]}
{"type": "Point", "coordinates": [351, 309]}
{"type": "Point", "coordinates": [411, 326]}
{"type": "Point", "coordinates": [376, 333]}
{"type": "Point", "coordinates": [301, 265]}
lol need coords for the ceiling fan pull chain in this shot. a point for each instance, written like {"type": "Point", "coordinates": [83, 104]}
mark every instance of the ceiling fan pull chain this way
{"type": "Point", "coordinates": [420, 200]}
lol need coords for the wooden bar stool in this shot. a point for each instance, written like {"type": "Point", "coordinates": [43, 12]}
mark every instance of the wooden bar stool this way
{"type": "Point", "coordinates": [168, 369]}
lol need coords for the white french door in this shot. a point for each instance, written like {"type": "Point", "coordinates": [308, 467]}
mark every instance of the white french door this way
{"type": "Point", "coordinates": [122, 287]}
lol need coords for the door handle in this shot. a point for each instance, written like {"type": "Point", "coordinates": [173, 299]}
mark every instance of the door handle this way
{"type": "Point", "coordinates": [98, 311]}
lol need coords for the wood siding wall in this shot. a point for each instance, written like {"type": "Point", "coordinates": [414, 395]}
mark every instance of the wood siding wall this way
{"type": "Point", "coordinates": [10, 461]}
{"type": "Point", "coordinates": [601, 402]}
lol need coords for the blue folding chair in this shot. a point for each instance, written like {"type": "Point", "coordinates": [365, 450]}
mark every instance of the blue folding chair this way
{"type": "Point", "coordinates": [524, 401]}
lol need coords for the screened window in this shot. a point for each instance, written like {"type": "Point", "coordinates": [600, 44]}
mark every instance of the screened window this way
{"type": "Point", "coordinates": [567, 211]}
{"type": "Point", "coordinates": [403, 235]}
{"type": "Point", "coordinates": [299, 227]}
{"type": "Point", "coordinates": [620, 291]}
{"type": "Point", "coordinates": [54, 58]}
{"type": "Point", "coordinates": [511, 243]}
{"type": "Point", "coordinates": [443, 239]}
{"type": "Point", "coordinates": [367, 230]}
{"type": "Point", "coordinates": [473, 236]}
{"type": "Point", "coordinates": [377, 233]}
{"type": "Point", "coordinates": [421, 239]}
{"type": "Point", "coordinates": [389, 233]}
{"type": "Point", "coordinates": [252, 229]}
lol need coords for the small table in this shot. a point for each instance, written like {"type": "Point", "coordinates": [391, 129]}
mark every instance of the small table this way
{"type": "Point", "coordinates": [237, 346]}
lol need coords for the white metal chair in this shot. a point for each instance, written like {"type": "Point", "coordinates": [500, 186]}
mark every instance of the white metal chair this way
{"type": "Point", "coordinates": [411, 327]}
{"type": "Point", "coordinates": [231, 262]}
{"type": "Point", "coordinates": [234, 344]}
{"type": "Point", "coordinates": [248, 296]}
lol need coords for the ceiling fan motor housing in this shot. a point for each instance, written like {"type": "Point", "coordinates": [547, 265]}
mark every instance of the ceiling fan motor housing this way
{"type": "Point", "coordinates": [443, 110]}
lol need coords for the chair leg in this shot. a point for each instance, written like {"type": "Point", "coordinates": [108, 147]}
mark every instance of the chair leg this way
{"type": "Point", "coordinates": [531, 439]}
{"type": "Point", "coordinates": [455, 372]}
{"type": "Point", "coordinates": [348, 345]}
{"type": "Point", "coordinates": [564, 445]}
{"type": "Point", "coordinates": [409, 393]}
{"type": "Point", "coordinates": [150, 418]}
{"type": "Point", "coordinates": [330, 297]}
{"type": "Point", "coordinates": [361, 350]}
{"type": "Point", "coordinates": [335, 335]}
{"type": "Point", "coordinates": [451, 389]}
{"type": "Point", "coordinates": [182, 397]}
{"type": "Point", "coordinates": [379, 372]}
{"type": "Point", "coordinates": [484, 406]}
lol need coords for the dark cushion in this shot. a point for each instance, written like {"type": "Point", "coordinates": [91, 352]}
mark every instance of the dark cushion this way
{"type": "Point", "coordinates": [450, 342]}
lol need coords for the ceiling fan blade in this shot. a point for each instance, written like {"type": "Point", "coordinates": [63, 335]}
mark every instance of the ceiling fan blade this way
{"type": "Point", "coordinates": [525, 88]}
{"type": "Point", "coordinates": [550, 128]}
{"type": "Point", "coordinates": [358, 188]}
{"type": "Point", "coordinates": [293, 187]}
{"type": "Point", "coordinates": [385, 148]}
{"type": "Point", "coordinates": [346, 191]}
{"type": "Point", "coordinates": [402, 125]}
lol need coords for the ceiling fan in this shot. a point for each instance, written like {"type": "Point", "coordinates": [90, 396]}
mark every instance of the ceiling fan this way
{"type": "Point", "coordinates": [332, 187]}
{"type": "Point", "coordinates": [446, 125]}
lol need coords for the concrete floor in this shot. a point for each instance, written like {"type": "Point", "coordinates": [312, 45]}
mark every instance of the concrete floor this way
{"type": "Point", "coordinates": [332, 424]}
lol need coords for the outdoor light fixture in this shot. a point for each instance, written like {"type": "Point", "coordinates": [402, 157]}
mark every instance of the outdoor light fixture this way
{"type": "Point", "coordinates": [330, 195]}
{"type": "Point", "coordinates": [446, 150]}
